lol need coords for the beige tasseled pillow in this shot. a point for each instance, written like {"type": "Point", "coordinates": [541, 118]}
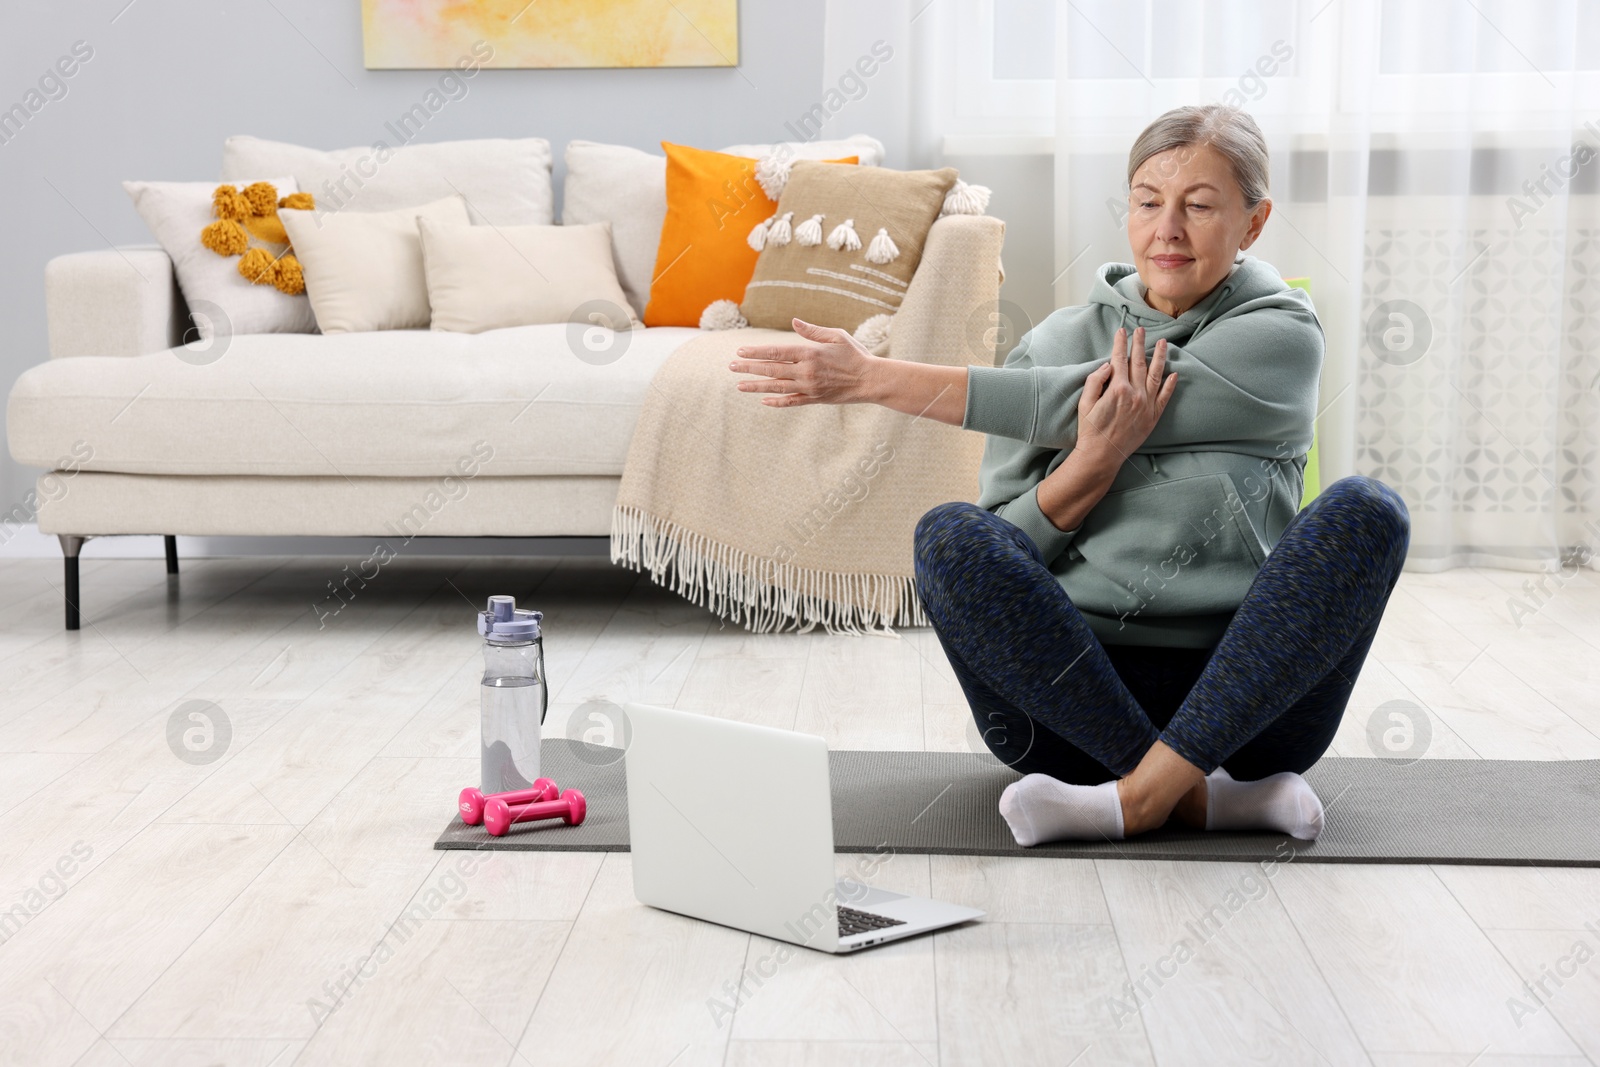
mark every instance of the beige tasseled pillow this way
{"type": "Point", "coordinates": [843, 244]}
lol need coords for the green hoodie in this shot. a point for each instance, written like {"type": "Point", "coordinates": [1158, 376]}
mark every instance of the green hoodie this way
{"type": "Point", "coordinates": [1167, 556]}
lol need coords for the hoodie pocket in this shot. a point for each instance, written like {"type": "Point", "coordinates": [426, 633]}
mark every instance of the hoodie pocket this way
{"type": "Point", "coordinates": [1179, 547]}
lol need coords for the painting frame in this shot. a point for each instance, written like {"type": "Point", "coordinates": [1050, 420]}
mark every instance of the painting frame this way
{"type": "Point", "coordinates": [549, 34]}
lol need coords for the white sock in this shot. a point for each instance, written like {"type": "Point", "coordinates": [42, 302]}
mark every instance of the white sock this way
{"type": "Point", "coordinates": [1283, 801]}
{"type": "Point", "coordinates": [1039, 808]}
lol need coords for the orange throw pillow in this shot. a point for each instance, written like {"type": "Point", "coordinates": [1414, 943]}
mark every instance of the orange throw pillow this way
{"type": "Point", "coordinates": [713, 202]}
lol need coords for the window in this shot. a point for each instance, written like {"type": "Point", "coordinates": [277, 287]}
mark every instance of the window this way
{"type": "Point", "coordinates": [1402, 66]}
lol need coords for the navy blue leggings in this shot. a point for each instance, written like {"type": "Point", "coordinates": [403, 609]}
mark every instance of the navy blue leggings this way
{"type": "Point", "coordinates": [1049, 698]}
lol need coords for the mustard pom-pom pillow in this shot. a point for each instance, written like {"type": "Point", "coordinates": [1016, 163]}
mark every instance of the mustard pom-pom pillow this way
{"type": "Point", "coordinates": [220, 300]}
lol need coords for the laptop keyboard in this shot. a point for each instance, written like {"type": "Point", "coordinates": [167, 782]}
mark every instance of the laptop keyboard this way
{"type": "Point", "coordinates": [852, 922]}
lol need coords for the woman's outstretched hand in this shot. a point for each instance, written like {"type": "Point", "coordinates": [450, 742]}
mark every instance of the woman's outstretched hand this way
{"type": "Point", "coordinates": [834, 368]}
{"type": "Point", "coordinates": [1123, 400]}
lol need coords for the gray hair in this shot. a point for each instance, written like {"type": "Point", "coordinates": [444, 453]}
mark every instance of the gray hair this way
{"type": "Point", "coordinates": [1227, 129]}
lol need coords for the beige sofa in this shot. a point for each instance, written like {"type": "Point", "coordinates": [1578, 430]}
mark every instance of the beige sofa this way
{"type": "Point", "coordinates": [398, 434]}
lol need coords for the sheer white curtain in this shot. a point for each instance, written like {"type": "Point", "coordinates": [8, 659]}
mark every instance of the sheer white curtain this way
{"type": "Point", "coordinates": [1436, 174]}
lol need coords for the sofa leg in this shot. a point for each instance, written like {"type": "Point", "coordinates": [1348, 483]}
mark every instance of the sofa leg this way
{"type": "Point", "coordinates": [172, 553]}
{"type": "Point", "coordinates": [70, 547]}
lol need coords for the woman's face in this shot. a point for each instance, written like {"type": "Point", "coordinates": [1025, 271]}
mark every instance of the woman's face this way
{"type": "Point", "coordinates": [1186, 223]}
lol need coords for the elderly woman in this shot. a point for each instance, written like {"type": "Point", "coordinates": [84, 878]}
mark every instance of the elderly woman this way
{"type": "Point", "coordinates": [1140, 619]}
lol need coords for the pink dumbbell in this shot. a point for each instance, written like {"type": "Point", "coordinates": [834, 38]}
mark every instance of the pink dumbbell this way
{"type": "Point", "coordinates": [498, 816]}
{"type": "Point", "coordinates": [472, 800]}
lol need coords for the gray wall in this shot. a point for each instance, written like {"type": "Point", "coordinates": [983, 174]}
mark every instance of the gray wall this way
{"type": "Point", "coordinates": [169, 79]}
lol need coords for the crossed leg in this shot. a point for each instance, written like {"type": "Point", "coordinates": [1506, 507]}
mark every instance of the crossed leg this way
{"type": "Point", "coordinates": [1050, 700]}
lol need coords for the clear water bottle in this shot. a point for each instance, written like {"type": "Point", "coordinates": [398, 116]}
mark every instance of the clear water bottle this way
{"type": "Point", "coordinates": [513, 697]}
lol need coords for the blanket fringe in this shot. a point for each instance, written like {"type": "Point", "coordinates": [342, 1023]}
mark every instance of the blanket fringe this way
{"type": "Point", "coordinates": [756, 592]}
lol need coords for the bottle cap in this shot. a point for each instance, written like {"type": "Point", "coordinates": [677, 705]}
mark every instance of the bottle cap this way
{"type": "Point", "coordinates": [505, 623]}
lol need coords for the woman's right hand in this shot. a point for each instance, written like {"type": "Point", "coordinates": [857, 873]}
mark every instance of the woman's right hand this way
{"type": "Point", "coordinates": [833, 369]}
{"type": "Point", "coordinates": [1123, 400]}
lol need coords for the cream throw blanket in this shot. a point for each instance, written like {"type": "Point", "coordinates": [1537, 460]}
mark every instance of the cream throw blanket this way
{"type": "Point", "coordinates": [786, 518]}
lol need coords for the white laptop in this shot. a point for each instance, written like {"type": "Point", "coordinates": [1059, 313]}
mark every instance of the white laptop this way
{"type": "Point", "coordinates": [733, 823]}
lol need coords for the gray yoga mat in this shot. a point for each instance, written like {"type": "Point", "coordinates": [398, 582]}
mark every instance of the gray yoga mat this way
{"type": "Point", "coordinates": [1377, 811]}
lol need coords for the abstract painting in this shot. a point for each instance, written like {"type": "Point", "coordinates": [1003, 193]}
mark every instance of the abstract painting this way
{"type": "Point", "coordinates": [439, 34]}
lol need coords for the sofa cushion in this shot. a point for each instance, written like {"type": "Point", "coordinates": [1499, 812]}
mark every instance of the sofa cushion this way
{"type": "Point", "coordinates": [627, 187]}
{"type": "Point", "coordinates": [364, 269]}
{"type": "Point", "coordinates": [714, 201]}
{"type": "Point", "coordinates": [220, 299]}
{"type": "Point", "coordinates": [494, 277]}
{"type": "Point", "coordinates": [504, 182]}
{"type": "Point", "coordinates": [552, 400]}
{"type": "Point", "coordinates": [844, 283]}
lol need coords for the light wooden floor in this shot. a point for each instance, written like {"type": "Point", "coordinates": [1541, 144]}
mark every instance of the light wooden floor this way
{"type": "Point", "coordinates": [218, 901]}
